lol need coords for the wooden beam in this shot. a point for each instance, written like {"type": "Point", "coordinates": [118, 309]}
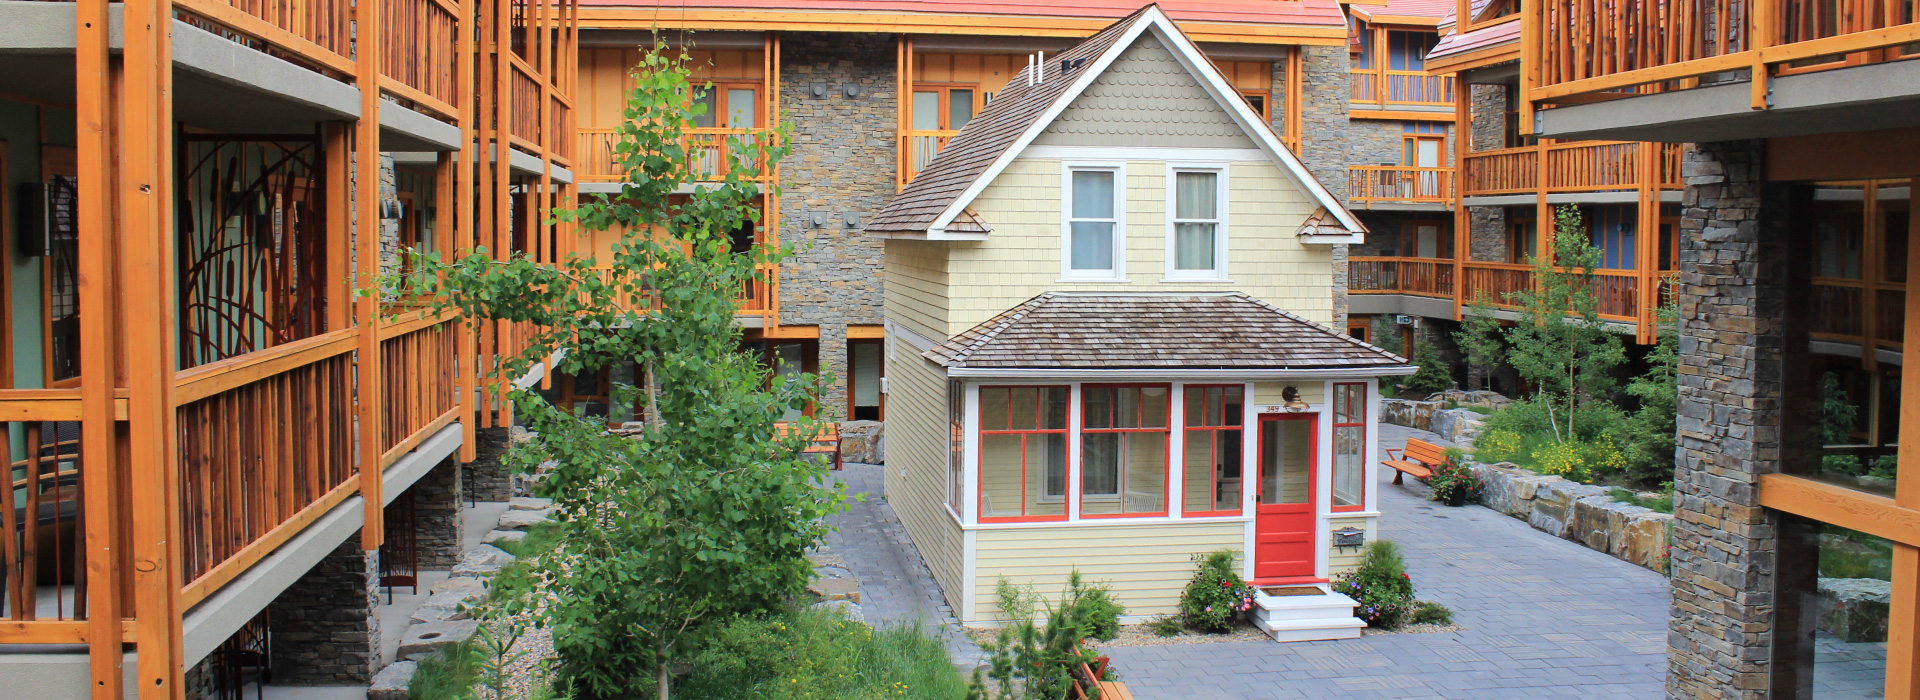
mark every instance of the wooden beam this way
{"type": "Point", "coordinates": [1903, 614]}
{"type": "Point", "coordinates": [1402, 114]}
{"type": "Point", "coordinates": [1462, 219]}
{"type": "Point", "coordinates": [611, 17]}
{"type": "Point", "coordinates": [367, 370]}
{"type": "Point", "coordinates": [460, 217]}
{"type": "Point", "coordinates": [100, 504]}
{"type": "Point", "coordinates": [1846, 507]}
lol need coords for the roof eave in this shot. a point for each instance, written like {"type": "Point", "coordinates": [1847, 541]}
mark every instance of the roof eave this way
{"type": "Point", "coordinates": [1248, 374]}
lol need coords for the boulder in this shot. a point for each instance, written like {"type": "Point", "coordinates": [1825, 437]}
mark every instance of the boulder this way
{"type": "Point", "coordinates": [529, 503]}
{"type": "Point", "coordinates": [1598, 520]}
{"type": "Point", "coordinates": [1472, 398]}
{"type": "Point", "coordinates": [1412, 414]}
{"type": "Point", "coordinates": [391, 682]}
{"type": "Point", "coordinates": [1553, 499]}
{"type": "Point", "coordinates": [421, 641]}
{"type": "Point", "coordinates": [482, 561]}
{"type": "Point", "coordinates": [459, 584]}
{"type": "Point", "coordinates": [1457, 425]}
{"type": "Point", "coordinates": [861, 440]}
{"type": "Point", "coordinates": [835, 589]}
{"type": "Point", "coordinates": [1642, 539]}
{"type": "Point", "coordinates": [452, 603]}
{"type": "Point", "coordinates": [503, 536]}
{"type": "Point", "coordinates": [521, 519]}
{"type": "Point", "coordinates": [1854, 609]}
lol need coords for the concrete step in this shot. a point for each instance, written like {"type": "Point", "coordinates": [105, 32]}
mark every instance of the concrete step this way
{"type": "Point", "coordinates": [1311, 630]}
{"type": "Point", "coordinates": [1289, 618]}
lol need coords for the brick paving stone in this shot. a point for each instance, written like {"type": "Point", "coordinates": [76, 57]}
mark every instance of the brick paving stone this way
{"type": "Point", "coordinates": [895, 585]}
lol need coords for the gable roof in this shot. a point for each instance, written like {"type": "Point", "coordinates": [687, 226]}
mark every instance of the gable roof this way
{"type": "Point", "coordinates": [941, 191]}
{"type": "Point", "coordinates": [1157, 331]}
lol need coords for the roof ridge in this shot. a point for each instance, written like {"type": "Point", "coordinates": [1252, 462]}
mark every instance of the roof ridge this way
{"type": "Point", "coordinates": [1006, 319]}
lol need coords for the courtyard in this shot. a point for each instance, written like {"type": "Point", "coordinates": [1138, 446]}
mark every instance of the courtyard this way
{"type": "Point", "coordinates": [1539, 617]}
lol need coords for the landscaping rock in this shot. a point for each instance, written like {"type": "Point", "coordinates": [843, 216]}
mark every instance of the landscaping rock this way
{"type": "Point", "coordinates": [1553, 499]}
{"type": "Point", "coordinates": [503, 536]}
{"type": "Point", "coordinates": [862, 441]}
{"type": "Point", "coordinates": [823, 558]}
{"type": "Point", "coordinates": [1487, 399]}
{"type": "Point", "coordinates": [424, 640]}
{"type": "Point", "coordinates": [521, 519]}
{"type": "Point", "coordinates": [1854, 609]}
{"type": "Point", "coordinates": [1642, 540]}
{"type": "Point", "coordinates": [1412, 414]}
{"type": "Point", "coordinates": [481, 561]}
{"type": "Point", "coordinates": [451, 604]}
{"type": "Point", "coordinates": [835, 589]}
{"type": "Point", "coordinates": [391, 682]}
{"type": "Point", "coordinates": [459, 584]}
{"type": "Point", "coordinates": [529, 503]}
{"type": "Point", "coordinates": [849, 607]}
{"type": "Point", "coordinates": [1458, 425]}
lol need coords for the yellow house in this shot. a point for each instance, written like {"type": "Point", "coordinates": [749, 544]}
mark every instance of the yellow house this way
{"type": "Point", "coordinates": [1108, 304]}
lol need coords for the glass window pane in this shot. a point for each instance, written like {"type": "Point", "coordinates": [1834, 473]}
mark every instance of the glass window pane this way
{"type": "Point", "coordinates": [1000, 476]}
{"type": "Point", "coordinates": [1349, 465]}
{"type": "Point", "coordinates": [1234, 405]}
{"type": "Point", "coordinates": [1195, 403]}
{"type": "Point", "coordinates": [1123, 473]}
{"type": "Point", "coordinates": [866, 374]}
{"type": "Point", "coordinates": [1056, 409]}
{"type": "Point", "coordinates": [993, 408]}
{"type": "Point", "coordinates": [1099, 468]}
{"type": "Point", "coordinates": [1096, 410]}
{"type": "Point", "coordinates": [741, 112]}
{"type": "Point", "coordinates": [1049, 493]}
{"type": "Point", "coordinates": [1836, 585]}
{"type": "Point", "coordinates": [1126, 407]}
{"type": "Point", "coordinates": [1286, 461]}
{"type": "Point", "coordinates": [1092, 245]}
{"type": "Point", "coordinates": [1023, 408]}
{"type": "Point", "coordinates": [1340, 400]}
{"type": "Point", "coordinates": [959, 108]}
{"type": "Point", "coordinates": [926, 111]}
{"type": "Point", "coordinates": [1153, 406]}
{"type": "Point", "coordinates": [1193, 246]}
{"type": "Point", "coordinates": [1195, 196]}
{"type": "Point", "coordinates": [1093, 194]}
{"type": "Point", "coordinates": [707, 105]}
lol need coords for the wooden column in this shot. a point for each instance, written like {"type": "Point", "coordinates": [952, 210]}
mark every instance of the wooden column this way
{"type": "Point", "coordinates": [1296, 77]}
{"type": "Point", "coordinates": [100, 479]}
{"type": "Point", "coordinates": [1872, 247]}
{"type": "Point", "coordinates": [1647, 244]}
{"type": "Point", "coordinates": [503, 181]}
{"type": "Point", "coordinates": [146, 215]}
{"type": "Point", "coordinates": [1462, 219]}
{"type": "Point", "coordinates": [903, 115]}
{"type": "Point", "coordinates": [1903, 615]}
{"type": "Point", "coordinates": [462, 217]}
{"type": "Point", "coordinates": [366, 210]}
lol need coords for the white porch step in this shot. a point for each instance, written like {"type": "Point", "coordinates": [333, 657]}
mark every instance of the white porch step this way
{"type": "Point", "coordinates": [1295, 618]}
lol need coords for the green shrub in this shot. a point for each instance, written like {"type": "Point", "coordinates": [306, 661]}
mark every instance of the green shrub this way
{"type": "Point", "coordinates": [1097, 606]}
{"type": "Point", "coordinates": [1427, 612]}
{"type": "Point", "coordinates": [1662, 501]}
{"type": "Point", "coordinates": [1215, 596]}
{"type": "Point", "coordinates": [1380, 585]}
{"type": "Point", "coordinates": [1432, 376]}
{"type": "Point", "coordinates": [821, 653]}
{"type": "Point", "coordinates": [1885, 467]}
{"type": "Point", "coordinates": [1166, 626]}
{"type": "Point", "coordinates": [448, 675]}
{"type": "Point", "coordinates": [1027, 660]}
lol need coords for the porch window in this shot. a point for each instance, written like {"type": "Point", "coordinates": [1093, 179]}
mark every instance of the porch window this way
{"type": "Point", "coordinates": [1123, 450]}
{"type": "Point", "coordinates": [1093, 223]}
{"type": "Point", "coordinates": [956, 440]}
{"type": "Point", "coordinates": [1211, 464]}
{"type": "Point", "coordinates": [1023, 453]}
{"type": "Point", "coordinates": [1349, 446]}
{"type": "Point", "coordinates": [1198, 217]}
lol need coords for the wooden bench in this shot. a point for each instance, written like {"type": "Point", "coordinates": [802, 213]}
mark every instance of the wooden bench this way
{"type": "Point", "coordinates": [826, 442]}
{"type": "Point", "coordinates": [1419, 458]}
{"type": "Point", "coordinates": [1103, 690]}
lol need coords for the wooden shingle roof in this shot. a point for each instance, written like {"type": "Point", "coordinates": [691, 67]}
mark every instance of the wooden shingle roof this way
{"type": "Point", "coordinates": [1174, 332]}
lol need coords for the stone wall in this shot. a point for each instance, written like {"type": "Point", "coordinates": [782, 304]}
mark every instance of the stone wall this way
{"type": "Point", "coordinates": [1456, 425]}
{"type": "Point", "coordinates": [1487, 112]}
{"type": "Point", "coordinates": [1375, 142]}
{"type": "Point", "coordinates": [1578, 512]}
{"type": "Point", "coordinates": [1487, 234]}
{"type": "Point", "coordinates": [323, 626]}
{"type": "Point", "coordinates": [487, 478]}
{"type": "Point", "coordinates": [1733, 301]}
{"type": "Point", "coordinates": [839, 175]}
{"type": "Point", "coordinates": [437, 512]}
{"type": "Point", "coordinates": [1323, 116]}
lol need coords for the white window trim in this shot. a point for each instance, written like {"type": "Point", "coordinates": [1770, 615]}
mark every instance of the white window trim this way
{"type": "Point", "coordinates": [1219, 271]}
{"type": "Point", "coordinates": [1119, 271]}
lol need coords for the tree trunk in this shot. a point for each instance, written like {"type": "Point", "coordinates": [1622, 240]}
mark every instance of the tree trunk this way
{"type": "Point", "coordinates": [666, 678]}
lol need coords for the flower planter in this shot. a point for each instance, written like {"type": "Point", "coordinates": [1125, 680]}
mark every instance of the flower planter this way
{"type": "Point", "coordinates": [1457, 498]}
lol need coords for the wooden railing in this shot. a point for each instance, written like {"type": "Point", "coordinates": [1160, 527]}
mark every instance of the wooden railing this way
{"type": "Point", "coordinates": [525, 96]}
{"type": "Point", "coordinates": [917, 149]}
{"type": "Point", "coordinates": [757, 297]}
{"type": "Point", "coordinates": [320, 31]}
{"type": "Point", "coordinates": [418, 42]}
{"type": "Point", "coordinates": [1421, 276]}
{"type": "Point", "coordinates": [417, 356]}
{"type": "Point", "coordinates": [1588, 49]}
{"type": "Point", "coordinates": [1493, 282]}
{"type": "Point", "coordinates": [42, 555]}
{"type": "Point", "coordinates": [1618, 292]}
{"type": "Point", "coordinates": [1399, 183]}
{"type": "Point", "coordinates": [1576, 166]}
{"type": "Point", "coordinates": [561, 118]}
{"type": "Point", "coordinates": [710, 153]}
{"type": "Point", "coordinates": [1401, 87]}
{"type": "Point", "coordinates": [266, 445]}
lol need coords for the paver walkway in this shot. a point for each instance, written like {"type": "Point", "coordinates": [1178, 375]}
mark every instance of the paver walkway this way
{"type": "Point", "coordinates": [1541, 617]}
{"type": "Point", "coordinates": [895, 585]}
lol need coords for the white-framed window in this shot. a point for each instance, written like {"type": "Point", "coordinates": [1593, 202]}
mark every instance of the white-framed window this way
{"type": "Point", "coordinates": [1197, 221]}
{"type": "Point", "coordinates": [1093, 235]}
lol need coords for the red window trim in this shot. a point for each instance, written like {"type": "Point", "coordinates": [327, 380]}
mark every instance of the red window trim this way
{"type": "Point", "coordinates": [1188, 428]}
{"type": "Point", "coordinates": [1166, 450]}
{"type": "Point", "coordinates": [1332, 409]}
{"type": "Point", "coordinates": [980, 476]}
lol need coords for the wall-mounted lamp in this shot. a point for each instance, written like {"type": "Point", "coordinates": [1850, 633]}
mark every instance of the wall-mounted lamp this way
{"type": "Point", "coordinates": [1292, 397]}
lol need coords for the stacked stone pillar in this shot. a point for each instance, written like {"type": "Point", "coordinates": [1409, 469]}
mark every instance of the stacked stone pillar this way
{"type": "Point", "coordinates": [1738, 350]}
{"type": "Point", "coordinates": [488, 476]}
{"type": "Point", "coordinates": [437, 512]}
{"type": "Point", "coordinates": [324, 628]}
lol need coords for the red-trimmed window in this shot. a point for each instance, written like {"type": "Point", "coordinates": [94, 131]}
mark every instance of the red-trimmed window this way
{"type": "Point", "coordinates": [1349, 446]}
{"type": "Point", "coordinates": [1023, 453]}
{"type": "Point", "coordinates": [1210, 481]}
{"type": "Point", "coordinates": [1123, 450]}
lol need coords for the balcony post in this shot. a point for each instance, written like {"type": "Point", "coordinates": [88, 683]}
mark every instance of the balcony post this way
{"type": "Point", "coordinates": [145, 200]}
{"type": "Point", "coordinates": [1462, 219]}
{"type": "Point", "coordinates": [461, 217]}
{"type": "Point", "coordinates": [366, 212]}
{"type": "Point", "coordinates": [98, 432]}
{"type": "Point", "coordinates": [1647, 244]}
{"type": "Point", "coordinates": [1903, 640]}
{"type": "Point", "coordinates": [1871, 250]}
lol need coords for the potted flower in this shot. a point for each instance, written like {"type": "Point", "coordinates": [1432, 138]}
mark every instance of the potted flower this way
{"type": "Point", "coordinates": [1453, 481]}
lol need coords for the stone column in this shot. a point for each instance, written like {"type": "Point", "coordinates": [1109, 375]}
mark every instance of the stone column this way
{"type": "Point", "coordinates": [489, 477]}
{"type": "Point", "coordinates": [1323, 116]}
{"type": "Point", "coordinates": [833, 360]}
{"type": "Point", "coordinates": [438, 512]}
{"type": "Point", "coordinates": [1735, 342]}
{"type": "Point", "coordinates": [323, 626]}
{"type": "Point", "coordinates": [1487, 226]}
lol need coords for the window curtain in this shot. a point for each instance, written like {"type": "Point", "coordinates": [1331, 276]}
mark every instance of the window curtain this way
{"type": "Point", "coordinates": [1195, 197]}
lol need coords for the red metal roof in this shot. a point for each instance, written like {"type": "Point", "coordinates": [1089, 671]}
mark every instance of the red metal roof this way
{"type": "Point", "coordinates": [1288, 12]}
{"type": "Point", "coordinates": [1452, 43]}
{"type": "Point", "coordinates": [1406, 8]}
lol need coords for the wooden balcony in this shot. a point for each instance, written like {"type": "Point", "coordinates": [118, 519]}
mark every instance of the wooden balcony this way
{"type": "Point", "coordinates": [711, 153]}
{"type": "Point", "coordinates": [1430, 277]}
{"type": "Point", "coordinates": [1493, 284]}
{"type": "Point", "coordinates": [758, 299]}
{"type": "Point", "coordinates": [1846, 310]}
{"type": "Point", "coordinates": [917, 149]}
{"type": "Point", "coordinates": [1399, 184]}
{"type": "Point", "coordinates": [1581, 51]}
{"type": "Point", "coordinates": [1578, 166]}
{"type": "Point", "coordinates": [1401, 88]}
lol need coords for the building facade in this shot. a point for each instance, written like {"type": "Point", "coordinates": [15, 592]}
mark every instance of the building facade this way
{"type": "Point", "coordinates": [217, 450]}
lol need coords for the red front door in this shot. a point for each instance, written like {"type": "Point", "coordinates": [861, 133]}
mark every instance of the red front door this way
{"type": "Point", "coordinates": [1283, 525]}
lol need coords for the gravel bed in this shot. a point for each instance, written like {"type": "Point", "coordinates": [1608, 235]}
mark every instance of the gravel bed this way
{"type": "Point", "coordinates": [1142, 636]}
